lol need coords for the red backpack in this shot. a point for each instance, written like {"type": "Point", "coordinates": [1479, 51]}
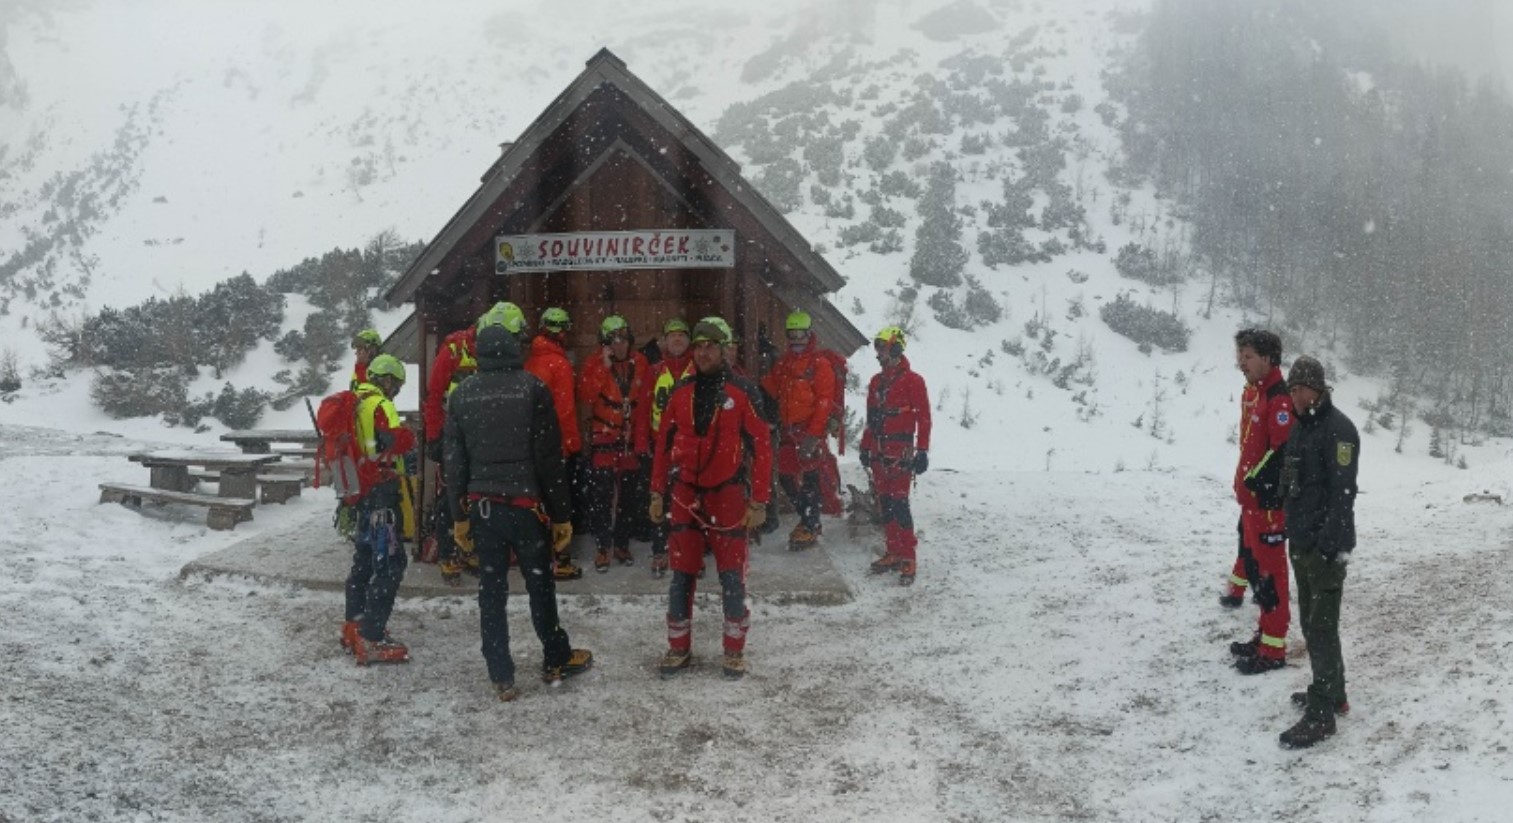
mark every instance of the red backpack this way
{"type": "Point", "coordinates": [838, 414]}
{"type": "Point", "coordinates": [340, 462]}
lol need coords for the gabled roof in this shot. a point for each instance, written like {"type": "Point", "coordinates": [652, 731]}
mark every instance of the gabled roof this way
{"type": "Point", "coordinates": [607, 69]}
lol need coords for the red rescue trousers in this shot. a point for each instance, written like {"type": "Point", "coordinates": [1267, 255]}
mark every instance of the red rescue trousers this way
{"type": "Point", "coordinates": [892, 479]}
{"type": "Point", "coordinates": [1262, 533]}
{"type": "Point", "coordinates": [713, 519]}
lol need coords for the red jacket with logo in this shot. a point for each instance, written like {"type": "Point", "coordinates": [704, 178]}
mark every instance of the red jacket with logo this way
{"type": "Point", "coordinates": [1265, 421]}
{"type": "Point", "coordinates": [737, 433]}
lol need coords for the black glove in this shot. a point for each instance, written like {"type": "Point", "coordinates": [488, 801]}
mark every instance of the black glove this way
{"type": "Point", "coordinates": [866, 458]}
{"type": "Point", "coordinates": [921, 462]}
{"type": "Point", "coordinates": [433, 450]}
{"type": "Point", "coordinates": [1266, 489]}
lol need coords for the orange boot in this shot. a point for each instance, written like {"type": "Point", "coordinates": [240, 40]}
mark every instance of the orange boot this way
{"type": "Point", "coordinates": [349, 635]}
{"type": "Point", "coordinates": [387, 650]}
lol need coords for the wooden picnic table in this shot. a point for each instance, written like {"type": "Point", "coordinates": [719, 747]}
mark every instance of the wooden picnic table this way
{"type": "Point", "coordinates": [238, 472]}
{"type": "Point", "coordinates": [260, 441]}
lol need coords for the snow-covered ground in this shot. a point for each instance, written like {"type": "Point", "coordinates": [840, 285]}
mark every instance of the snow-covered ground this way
{"type": "Point", "coordinates": [1062, 657]}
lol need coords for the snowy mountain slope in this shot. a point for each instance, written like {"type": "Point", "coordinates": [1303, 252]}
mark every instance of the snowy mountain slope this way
{"type": "Point", "coordinates": [280, 132]}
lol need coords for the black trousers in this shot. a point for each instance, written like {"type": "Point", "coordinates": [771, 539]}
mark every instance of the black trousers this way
{"type": "Point", "coordinates": [612, 498]}
{"type": "Point", "coordinates": [378, 561]}
{"type": "Point", "coordinates": [499, 530]}
{"type": "Point", "coordinates": [804, 492]}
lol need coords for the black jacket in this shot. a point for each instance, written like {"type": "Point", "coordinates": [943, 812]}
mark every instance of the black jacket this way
{"type": "Point", "coordinates": [1318, 480]}
{"type": "Point", "coordinates": [502, 437]}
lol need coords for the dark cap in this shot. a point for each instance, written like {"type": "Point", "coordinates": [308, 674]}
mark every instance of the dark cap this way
{"type": "Point", "coordinates": [1309, 372]}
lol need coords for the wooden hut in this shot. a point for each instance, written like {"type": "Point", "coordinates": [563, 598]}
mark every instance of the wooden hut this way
{"type": "Point", "coordinates": [612, 202]}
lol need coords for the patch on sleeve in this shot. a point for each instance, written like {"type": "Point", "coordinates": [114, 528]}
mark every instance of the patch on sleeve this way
{"type": "Point", "coordinates": [1283, 418]}
{"type": "Point", "coordinates": [1344, 453]}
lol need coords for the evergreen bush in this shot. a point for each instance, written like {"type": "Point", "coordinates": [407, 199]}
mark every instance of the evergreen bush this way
{"type": "Point", "coordinates": [1145, 325]}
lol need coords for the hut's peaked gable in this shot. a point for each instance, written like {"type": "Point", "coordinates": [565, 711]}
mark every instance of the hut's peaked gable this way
{"type": "Point", "coordinates": [607, 122]}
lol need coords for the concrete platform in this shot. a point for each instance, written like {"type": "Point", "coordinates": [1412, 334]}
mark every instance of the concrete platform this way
{"type": "Point", "coordinates": [309, 553]}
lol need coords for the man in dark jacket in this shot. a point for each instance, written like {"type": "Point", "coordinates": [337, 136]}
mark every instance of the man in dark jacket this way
{"type": "Point", "coordinates": [1318, 487]}
{"type": "Point", "coordinates": [505, 475]}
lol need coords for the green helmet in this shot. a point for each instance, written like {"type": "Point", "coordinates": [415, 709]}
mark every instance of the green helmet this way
{"type": "Point", "coordinates": [504, 314]}
{"type": "Point", "coordinates": [367, 337]}
{"type": "Point", "coordinates": [387, 365]}
{"type": "Point", "coordinates": [714, 329]}
{"type": "Point", "coordinates": [674, 325]}
{"type": "Point", "coordinates": [798, 321]}
{"type": "Point", "coordinates": [613, 323]}
{"type": "Point", "coordinates": [556, 319]}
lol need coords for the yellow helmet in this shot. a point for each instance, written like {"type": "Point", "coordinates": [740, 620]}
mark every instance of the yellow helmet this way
{"type": "Point", "coordinates": [798, 321]}
{"type": "Point", "coordinates": [893, 336]}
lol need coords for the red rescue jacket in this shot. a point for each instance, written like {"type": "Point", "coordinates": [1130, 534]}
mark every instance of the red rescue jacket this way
{"type": "Point", "coordinates": [1265, 421]}
{"type": "Point", "coordinates": [615, 428]}
{"type": "Point", "coordinates": [549, 362]}
{"type": "Point", "coordinates": [898, 412]}
{"type": "Point", "coordinates": [456, 359]}
{"type": "Point", "coordinates": [737, 434]}
{"type": "Point", "coordinates": [804, 386]}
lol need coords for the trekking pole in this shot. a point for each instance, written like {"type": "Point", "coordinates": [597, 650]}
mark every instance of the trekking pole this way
{"type": "Point", "coordinates": [313, 422]}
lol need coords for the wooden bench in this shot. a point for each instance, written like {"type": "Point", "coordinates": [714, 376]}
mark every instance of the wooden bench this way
{"type": "Point", "coordinates": [271, 488]}
{"type": "Point", "coordinates": [305, 468]}
{"type": "Point", "coordinates": [170, 470]}
{"type": "Point", "coordinates": [225, 512]}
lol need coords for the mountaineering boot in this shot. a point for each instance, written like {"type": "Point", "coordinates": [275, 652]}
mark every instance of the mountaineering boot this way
{"type": "Point", "coordinates": [1300, 699]}
{"type": "Point", "coordinates": [601, 561]}
{"type": "Point", "coordinates": [674, 662]}
{"type": "Point", "coordinates": [1231, 601]}
{"type": "Point", "coordinates": [886, 563]}
{"type": "Point", "coordinates": [906, 573]}
{"type": "Point", "coordinates": [1307, 732]}
{"type": "Point", "coordinates": [451, 571]}
{"type": "Point", "coordinates": [802, 538]}
{"type": "Point", "coordinates": [506, 692]}
{"type": "Point", "coordinates": [387, 650]}
{"type": "Point", "coordinates": [658, 565]}
{"type": "Point", "coordinates": [734, 665]}
{"type": "Point", "coordinates": [349, 635]}
{"type": "Point", "coordinates": [566, 569]}
{"type": "Point", "coordinates": [624, 557]}
{"type": "Point", "coordinates": [1259, 664]}
{"type": "Point", "coordinates": [1245, 649]}
{"type": "Point", "coordinates": [578, 662]}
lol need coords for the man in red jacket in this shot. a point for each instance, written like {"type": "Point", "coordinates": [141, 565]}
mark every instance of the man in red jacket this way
{"type": "Point", "coordinates": [548, 361]}
{"type": "Point", "coordinates": [894, 448]}
{"type": "Point", "coordinates": [711, 431]}
{"type": "Point", "coordinates": [802, 383]}
{"type": "Point", "coordinates": [613, 385]}
{"type": "Point", "coordinates": [1265, 422]}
